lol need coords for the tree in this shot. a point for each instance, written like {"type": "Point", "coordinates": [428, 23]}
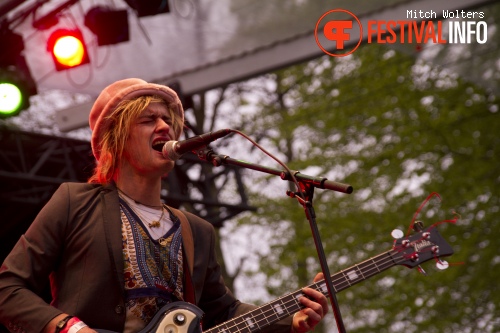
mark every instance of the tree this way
{"type": "Point", "coordinates": [396, 129]}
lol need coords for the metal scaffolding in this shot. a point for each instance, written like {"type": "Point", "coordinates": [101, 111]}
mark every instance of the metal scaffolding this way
{"type": "Point", "coordinates": [32, 166]}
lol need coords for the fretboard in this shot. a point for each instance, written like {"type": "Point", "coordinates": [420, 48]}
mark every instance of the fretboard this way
{"type": "Point", "coordinates": [284, 306]}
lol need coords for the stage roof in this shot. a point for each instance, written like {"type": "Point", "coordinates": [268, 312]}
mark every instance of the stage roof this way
{"type": "Point", "coordinates": [201, 44]}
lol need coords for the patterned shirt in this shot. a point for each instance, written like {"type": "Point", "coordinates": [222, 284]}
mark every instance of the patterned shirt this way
{"type": "Point", "coordinates": [153, 269]}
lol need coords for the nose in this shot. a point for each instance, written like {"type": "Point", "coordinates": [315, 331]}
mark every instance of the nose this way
{"type": "Point", "coordinates": [162, 125]}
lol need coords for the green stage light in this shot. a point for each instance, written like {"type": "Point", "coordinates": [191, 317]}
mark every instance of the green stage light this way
{"type": "Point", "coordinates": [16, 82]}
{"type": "Point", "coordinates": [15, 91]}
{"type": "Point", "coordinates": [11, 99]}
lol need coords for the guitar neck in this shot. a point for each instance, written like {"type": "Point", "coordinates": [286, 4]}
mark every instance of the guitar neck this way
{"type": "Point", "coordinates": [289, 304]}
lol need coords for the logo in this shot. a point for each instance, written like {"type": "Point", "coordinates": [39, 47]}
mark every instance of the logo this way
{"type": "Point", "coordinates": [336, 33]}
{"type": "Point", "coordinates": [333, 36]}
{"type": "Point", "coordinates": [419, 245]}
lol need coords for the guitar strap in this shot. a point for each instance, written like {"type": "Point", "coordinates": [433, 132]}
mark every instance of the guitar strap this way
{"type": "Point", "coordinates": [188, 246]}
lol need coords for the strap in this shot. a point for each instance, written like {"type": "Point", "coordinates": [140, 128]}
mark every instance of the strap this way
{"type": "Point", "coordinates": [188, 243]}
{"type": "Point", "coordinates": [187, 237]}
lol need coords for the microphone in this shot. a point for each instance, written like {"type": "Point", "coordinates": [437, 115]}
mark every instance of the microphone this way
{"type": "Point", "coordinates": [173, 150]}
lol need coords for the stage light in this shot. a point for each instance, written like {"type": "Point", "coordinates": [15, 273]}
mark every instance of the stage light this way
{"type": "Point", "coordinates": [68, 49]}
{"type": "Point", "coordinates": [110, 26]}
{"type": "Point", "coordinates": [16, 82]}
{"type": "Point", "coordinates": [11, 99]}
{"type": "Point", "coordinates": [15, 91]}
{"type": "Point", "coordinates": [149, 8]}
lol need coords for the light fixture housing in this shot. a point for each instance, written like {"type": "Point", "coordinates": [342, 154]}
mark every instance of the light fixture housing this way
{"type": "Point", "coordinates": [110, 26]}
{"type": "Point", "coordinates": [68, 49]}
{"type": "Point", "coordinates": [149, 8]}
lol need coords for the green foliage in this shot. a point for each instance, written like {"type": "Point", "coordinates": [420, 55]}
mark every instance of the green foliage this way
{"type": "Point", "coordinates": [396, 129]}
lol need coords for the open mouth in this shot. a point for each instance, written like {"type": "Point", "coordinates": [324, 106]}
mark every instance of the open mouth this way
{"type": "Point", "coordinates": [158, 145]}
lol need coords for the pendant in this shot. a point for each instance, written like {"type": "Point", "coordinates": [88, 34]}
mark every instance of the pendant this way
{"type": "Point", "coordinates": [162, 241]}
{"type": "Point", "coordinates": [154, 224]}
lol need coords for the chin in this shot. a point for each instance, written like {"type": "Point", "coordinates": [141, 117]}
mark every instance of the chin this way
{"type": "Point", "coordinates": [169, 166]}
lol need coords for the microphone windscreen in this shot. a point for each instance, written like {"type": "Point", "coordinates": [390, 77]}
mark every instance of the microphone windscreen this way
{"type": "Point", "coordinates": [168, 151]}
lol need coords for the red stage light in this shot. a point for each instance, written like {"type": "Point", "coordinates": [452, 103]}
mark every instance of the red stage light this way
{"type": "Point", "coordinates": [68, 49]}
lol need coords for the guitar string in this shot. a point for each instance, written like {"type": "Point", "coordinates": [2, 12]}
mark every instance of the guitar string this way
{"type": "Point", "coordinates": [369, 272]}
{"type": "Point", "coordinates": [381, 260]}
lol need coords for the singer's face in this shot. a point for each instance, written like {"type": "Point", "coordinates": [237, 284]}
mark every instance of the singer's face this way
{"type": "Point", "coordinates": [148, 134]}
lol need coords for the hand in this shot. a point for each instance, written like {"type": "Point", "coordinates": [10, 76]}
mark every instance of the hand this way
{"type": "Point", "coordinates": [306, 319]}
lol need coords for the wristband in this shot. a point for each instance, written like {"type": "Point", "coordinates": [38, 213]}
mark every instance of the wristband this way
{"type": "Point", "coordinates": [76, 327]}
{"type": "Point", "coordinates": [70, 326]}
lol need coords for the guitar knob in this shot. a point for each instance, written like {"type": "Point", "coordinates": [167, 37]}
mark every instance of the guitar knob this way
{"type": "Point", "coordinates": [169, 329]}
{"type": "Point", "coordinates": [397, 234]}
{"type": "Point", "coordinates": [179, 319]}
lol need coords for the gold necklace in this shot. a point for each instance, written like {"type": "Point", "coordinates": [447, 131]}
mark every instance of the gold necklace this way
{"type": "Point", "coordinates": [155, 224]}
{"type": "Point", "coordinates": [162, 241]}
{"type": "Point", "coordinates": [138, 202]}
{"type": "Point", "coordinates": [152, 223]}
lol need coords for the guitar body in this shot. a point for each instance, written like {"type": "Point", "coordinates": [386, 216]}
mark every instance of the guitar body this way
{"type": "Point", "coordinates": [175, 317]}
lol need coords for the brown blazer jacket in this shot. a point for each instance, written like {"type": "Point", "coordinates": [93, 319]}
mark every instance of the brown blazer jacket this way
{"type": "Point", "coordinates": [76, 239]}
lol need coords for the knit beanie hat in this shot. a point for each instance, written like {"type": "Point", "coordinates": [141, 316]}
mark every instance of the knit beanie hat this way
{"type": "Point", "coordinates": [126, 89]}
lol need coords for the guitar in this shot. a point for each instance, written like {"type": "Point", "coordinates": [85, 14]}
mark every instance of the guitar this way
{"type": "Point", "coordinates": [182, 317]}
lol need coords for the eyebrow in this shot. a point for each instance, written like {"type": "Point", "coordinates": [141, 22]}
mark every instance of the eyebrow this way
{"type": "Point", "coordinates": [148, 115]}
{"type": "Point", "coordinates": [152, 112]}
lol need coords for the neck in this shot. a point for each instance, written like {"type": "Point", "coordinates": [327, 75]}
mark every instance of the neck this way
{"type": "Point", "coordinates": [141, 190]}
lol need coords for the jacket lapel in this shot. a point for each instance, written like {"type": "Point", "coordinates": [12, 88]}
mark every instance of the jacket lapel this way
{"type": "Point", "coordinates": [188, 249]}
{"type": "Point", "coordinates": [112, 229]}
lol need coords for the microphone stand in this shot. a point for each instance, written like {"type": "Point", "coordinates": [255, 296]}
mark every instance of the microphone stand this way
{"type": "Point", "coordinates": [307, 184]}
